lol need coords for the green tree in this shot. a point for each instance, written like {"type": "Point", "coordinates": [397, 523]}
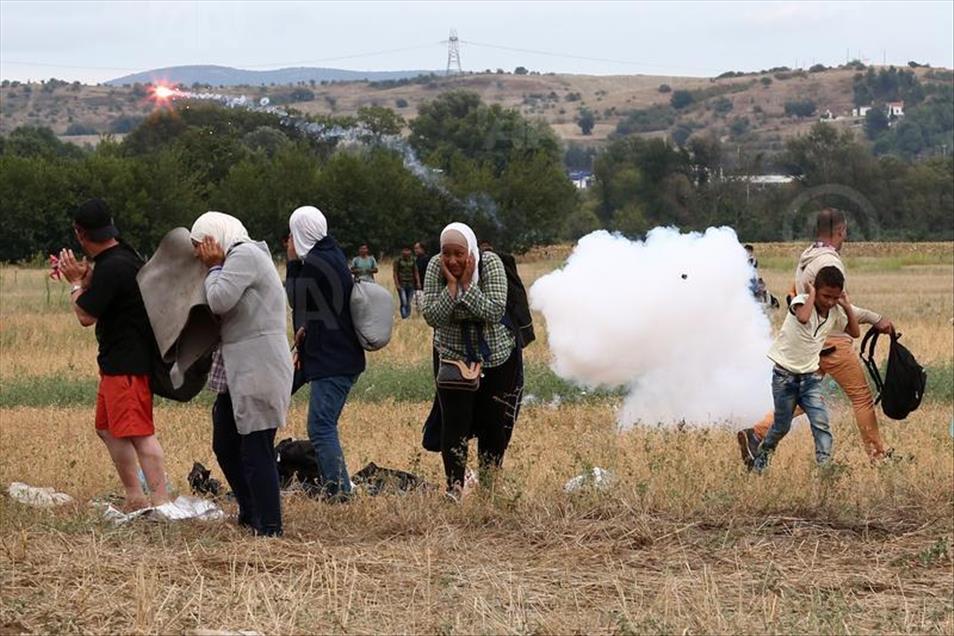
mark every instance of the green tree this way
{"type": "Point", "coordinates": [586, 120]}
{"type": "Point", "coordinates": [380, 121]}
{"type": "Point", "coordinates": [876, 122]}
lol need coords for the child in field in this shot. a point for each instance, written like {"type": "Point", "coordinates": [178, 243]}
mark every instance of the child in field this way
{"type": "Point", "coordinates": [795, 352]}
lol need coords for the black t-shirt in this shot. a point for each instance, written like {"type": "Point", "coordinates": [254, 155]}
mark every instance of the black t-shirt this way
{"type": "Point", "coordinates": [422, 261]}
{"type": "Point", "coordinates": [125, 337]}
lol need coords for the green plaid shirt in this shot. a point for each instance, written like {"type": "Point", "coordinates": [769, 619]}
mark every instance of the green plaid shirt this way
{"type": "Point", "coordinates": [482, 303]}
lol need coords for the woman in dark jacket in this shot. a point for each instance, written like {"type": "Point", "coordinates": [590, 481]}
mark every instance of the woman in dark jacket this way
{"type": "Point", "coordinates": [330, 358]}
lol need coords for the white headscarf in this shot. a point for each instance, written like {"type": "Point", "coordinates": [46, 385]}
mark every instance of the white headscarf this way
{"type": "Point", "coordinates": [471, 240]}
{"type": "Point", "coordinates": [307, 226]}
{"type": "Point", "coordinates": [224, 228]}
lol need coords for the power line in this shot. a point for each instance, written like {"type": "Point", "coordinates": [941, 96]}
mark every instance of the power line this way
{"type": "Point", "coordinates": [352, 56]}
{"type": "Point", "coordinates": [583, 57]}
{"type": "Point", "coordinates": [348, 57]}
{"type": "Point", "coordinates": [239, 67]}
{"type": "Point", "coordinates": [84, 67]}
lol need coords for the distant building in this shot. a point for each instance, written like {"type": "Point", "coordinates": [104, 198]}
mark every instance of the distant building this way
{"type": "Point", "coordinates": [895, 109]}
{"type": "Point", "coordinates": [891, 110]}
{"type": "Point", "coordinates": [766, 179]}
{"type": "Point", "coordinates": [582, 179]}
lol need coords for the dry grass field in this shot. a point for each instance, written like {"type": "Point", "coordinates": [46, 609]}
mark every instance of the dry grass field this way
{"type": "Point", "coordinates": [684, 541]}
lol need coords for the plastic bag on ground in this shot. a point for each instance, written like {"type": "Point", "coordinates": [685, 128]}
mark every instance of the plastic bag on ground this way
{"type": "Point", "coordinates": [41, 497]}
{"type": "Point", "coordinates": [597, 478]}
{"type": "Point", "coordinates": [182, 508]}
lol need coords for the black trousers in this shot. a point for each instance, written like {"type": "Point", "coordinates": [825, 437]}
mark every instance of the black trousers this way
{"type": "Point", "coordinates": [248, 462]}
{"type": "Point", "coordinates": [487, 414]}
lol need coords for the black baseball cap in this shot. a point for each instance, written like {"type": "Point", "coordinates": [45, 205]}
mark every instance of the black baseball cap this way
{"type": "Point", "coordinates": [94, 218]}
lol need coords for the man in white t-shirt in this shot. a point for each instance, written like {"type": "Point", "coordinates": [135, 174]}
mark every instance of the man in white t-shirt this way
{"type": "Point", "coordinates": [795, 379]}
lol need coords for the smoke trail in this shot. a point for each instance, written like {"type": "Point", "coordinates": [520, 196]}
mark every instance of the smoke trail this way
{"type": "Point", "coordinates": [350, 136]}
{"type": "Point", "coordinates": [670, 319]}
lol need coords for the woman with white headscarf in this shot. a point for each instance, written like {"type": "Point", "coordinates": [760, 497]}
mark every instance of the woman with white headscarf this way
{"type": "Point", "coordinates": [330, 358]}
{"type": "Point", "coordinates": [252, 373]}
{"type": "Point", "coordinates": [465, 298]}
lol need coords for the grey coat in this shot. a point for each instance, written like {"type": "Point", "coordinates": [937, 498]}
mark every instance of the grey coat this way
{"type": "Point", "coordinates": [248, 296]}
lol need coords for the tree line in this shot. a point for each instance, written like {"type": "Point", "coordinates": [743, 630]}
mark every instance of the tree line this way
{"type": "Point", "coordinates": [641, 183]}
{"type": "Point", "coordinates": [462, 160]}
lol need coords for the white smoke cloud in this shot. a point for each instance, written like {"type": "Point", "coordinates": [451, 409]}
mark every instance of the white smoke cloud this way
{"type": "Point", "coordinates": [670, 318]}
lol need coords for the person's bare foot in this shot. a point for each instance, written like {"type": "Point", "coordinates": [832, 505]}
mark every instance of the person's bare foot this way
{"type": "Point", "coordinates": [132, 504]}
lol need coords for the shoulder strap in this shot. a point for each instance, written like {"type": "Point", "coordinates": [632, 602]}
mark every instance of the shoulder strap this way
{"type": "Point", "coordinates": [869, 341]}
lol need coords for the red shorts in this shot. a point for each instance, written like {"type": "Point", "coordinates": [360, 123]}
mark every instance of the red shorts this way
{"type": "Point", "coordinates": [124, 406]}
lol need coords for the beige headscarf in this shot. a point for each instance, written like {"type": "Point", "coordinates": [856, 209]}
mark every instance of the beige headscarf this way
{"type": "Point", "coordinates": [224, 228]}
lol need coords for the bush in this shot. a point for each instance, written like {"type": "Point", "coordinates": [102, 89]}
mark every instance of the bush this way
{"type": "Point", "coordinates": [721, 105]}
{"type": "Point", "coordinates": [80, 129]}
{"type": "Point", "coordinates": [400, 102]}
{"type": "Point", "coordinates": [681, 99]}
{"type": "Point", "coordinates": [800, 108]}
{"type": "Point", "coordinates": [664, 88]}
{"type": "Point", "coordinates": [817, 68]}
{"type": "Point", "coordinates": [766, 81]}
{"type": "Point", "coordinates": [739, 126]}
{"type": "Point", "coordinates": [646, 120]}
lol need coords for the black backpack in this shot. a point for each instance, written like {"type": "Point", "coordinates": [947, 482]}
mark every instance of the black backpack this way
{"type": "Point", "coordinates": [901, 390]}
{"type": "Point", "coordinates": [517, 313]}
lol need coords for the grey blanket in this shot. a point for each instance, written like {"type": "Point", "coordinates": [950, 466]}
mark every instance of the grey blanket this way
{"type": "Point", "coordinates": [173, 290]}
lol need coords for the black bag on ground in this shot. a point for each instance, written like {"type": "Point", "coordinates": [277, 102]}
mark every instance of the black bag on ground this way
{"type": "Point", "coordinates": [902, 388]}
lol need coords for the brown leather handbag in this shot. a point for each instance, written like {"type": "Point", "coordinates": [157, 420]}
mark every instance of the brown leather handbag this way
{"type": "Point", "coordinates": [458, 375]}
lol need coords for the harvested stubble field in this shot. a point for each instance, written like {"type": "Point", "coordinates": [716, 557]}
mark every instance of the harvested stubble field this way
{"type": "Point", "coordinates": [685, 541]}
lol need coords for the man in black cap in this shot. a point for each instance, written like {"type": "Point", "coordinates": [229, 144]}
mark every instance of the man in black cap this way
{"type": "Point", "coordinates": [106, 294]}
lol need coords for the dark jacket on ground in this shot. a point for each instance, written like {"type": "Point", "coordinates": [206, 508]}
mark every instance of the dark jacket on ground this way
{"type": "Point", "coordinates": [319, 290]}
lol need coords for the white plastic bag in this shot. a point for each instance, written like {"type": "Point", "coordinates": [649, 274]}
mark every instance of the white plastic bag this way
{"type": "Point", "coordinates": [598, 479]}
{"type": "Point", "coordinates": [372, 312]}
{"type": "Point", "coordinates": [184, 507]}
{"type": "Point", "coordinates": [35, 496]}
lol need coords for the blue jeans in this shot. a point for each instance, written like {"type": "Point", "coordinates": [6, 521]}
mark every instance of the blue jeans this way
{"type": "Point", "coordinates": [406, 295]}
{"type": "Point", "coordinates": [802, 389]}
{"type": "Point", "coordinates": [328, 397]}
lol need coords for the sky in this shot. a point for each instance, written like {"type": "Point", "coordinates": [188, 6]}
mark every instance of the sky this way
{"type": "Point", "coordinates": [97, 41]}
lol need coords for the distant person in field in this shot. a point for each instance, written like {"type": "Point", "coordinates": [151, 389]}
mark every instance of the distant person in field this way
{"type": "Point", "coordinates": [750, 253]}
{"type": "Point", "coordinates": [252, 371]}
{"type": "Point", "coordinates": [330, 357]}
{"type": "Point", "coordinates": [838, 359]}
{"type": "Point", "coordinates": [754, 264]}
{"type": "Point", "coordinates": [422, 258]}
{"type": "Point", "coordinates": [796, 380]}
{"type": "Point", "coordinates": [406, 280]}
{"type": "Point", "coordinates": [364, 266]}
{"type": "Point", "coordinates": [465, 297]}
{"type": "Point", "coordinates": [105, 293]}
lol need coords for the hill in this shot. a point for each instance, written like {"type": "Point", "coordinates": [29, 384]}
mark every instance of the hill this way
{"type": "Point", "coordinates": [228, 76]}
{"type": "Point", "coordinates": [750, 110]}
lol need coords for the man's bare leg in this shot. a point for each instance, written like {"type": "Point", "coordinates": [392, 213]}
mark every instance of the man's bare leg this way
{"type": "Point", "coordinates": [151, 458]}
{"type": "Point", "coordinates": [123, 454]}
